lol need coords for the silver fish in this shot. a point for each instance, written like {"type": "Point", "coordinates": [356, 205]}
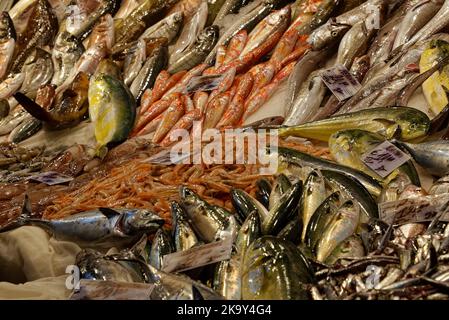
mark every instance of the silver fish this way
{"type": "Point", "coordinates": [310, 62]}
{"type": "Point", "coordinates": [11, 85]}
{"type": "Point", "coordinates": [228, 6]}
{"type": "Point", "coordinates": [184, 237]}
{"type": "Point", "coordinates": [190, 32]}
{"type": "Point", "coordinates": [437, 23]}
{"type": "Point", "coordinates": [134, 62]}
{"type": "Point", "coordinates": [26, 129]}
{"type": "Point", "coordinates": [415, 19]}
{"type": "Point", "coordinates": [66, 52]}
{"type": "Point", "coordinates": [161, 246]}
{"type": "Point", "coordinates": [432, 156]}
{"type": "Point", "coordinates": [102, 228]}
{"type": "Point", "coordinates": [227, 278]}
{"type": "Point", "coordinates": [168, 27]}
{"type": "Point", "coordinates": [354, 43]}
{"type": "Point", "coordinates": [309, 100]}
{"type": "Point", "coordinates": [10, 122]}
{"type": "Point", "coordinates": [7, 42]}
{"type": "Point", "coordinates": [198, 52]}
{"type": "Point", "coordinates": [38, 70]}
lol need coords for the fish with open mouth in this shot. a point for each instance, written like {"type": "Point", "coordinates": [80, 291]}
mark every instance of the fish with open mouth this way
{"type": "Point", "coordinates": [101, 228]}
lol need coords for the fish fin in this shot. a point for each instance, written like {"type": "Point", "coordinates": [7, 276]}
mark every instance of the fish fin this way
{"type": "Point", "coordinates": [196, 294]}
{"type": "Point", "coordinates": [33, 108]}
{"type": "Point", "coordinates": [24, 217]}
{"type": "Point", "coordinates": [109, 213]}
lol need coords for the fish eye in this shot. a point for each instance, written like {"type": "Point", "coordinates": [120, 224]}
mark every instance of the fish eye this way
{"type": "Point", "coordinates": [334, 33]}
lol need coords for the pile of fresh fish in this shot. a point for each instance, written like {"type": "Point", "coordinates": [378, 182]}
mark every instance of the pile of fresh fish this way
{"type": "Point", "coordinates": [339, 72]}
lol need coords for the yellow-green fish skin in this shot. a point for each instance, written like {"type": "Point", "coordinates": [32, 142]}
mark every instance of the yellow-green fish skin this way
{"type": "Point", "coordinates": [401, 122]}
{"type": "Point", "coordinates": [112, 109]}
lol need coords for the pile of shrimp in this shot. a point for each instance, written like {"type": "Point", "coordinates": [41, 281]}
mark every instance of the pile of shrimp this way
{"type": "Point", "coordinates": [136, 184]}
{"type": "Point", "coordinates": [246, 83]}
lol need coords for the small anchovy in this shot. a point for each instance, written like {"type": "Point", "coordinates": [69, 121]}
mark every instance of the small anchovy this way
{"type": "Point", "coordinates": [102, 228]}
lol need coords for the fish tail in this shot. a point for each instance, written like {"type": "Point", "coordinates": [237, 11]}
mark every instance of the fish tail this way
{"type": "Point", "coordinates": [23, 219]}
{"type": "Point", "coordinates": [32, 107]}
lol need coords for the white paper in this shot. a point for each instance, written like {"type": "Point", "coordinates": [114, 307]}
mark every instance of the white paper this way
{"type": "Point", "coordinates": [385, 158]}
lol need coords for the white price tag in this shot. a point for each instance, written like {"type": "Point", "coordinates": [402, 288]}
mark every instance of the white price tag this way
{"type": "Point", "coordinates": [51, 178]}
{"type": "Point", "coordinates": [385, 158]}
{"type": "Point", "coordinates": [417, 209]}
{"type": "Point", "coordinates": [342, 84]}
{"type": "Point", "coordinates": [198, 256]}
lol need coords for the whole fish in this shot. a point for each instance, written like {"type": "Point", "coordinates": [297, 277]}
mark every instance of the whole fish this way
{"type": "Point", "coordinates": [415, 19]}
{"type": "Point", "coordinates": [308, 100]}
{"type": "Point", "coordinates": [198, 52]}
{"type": "Point", "coordinates": [144, 16]}
{"type": "Point", "coordinates": [352, 189]}
{"type": "Point", "coordinates": [161, 246]}
{"type": "Point", "coordinates": [354, 43]}
{"type": "Point", "coordinates": [112, 109]}
{"type": "Point", "coordinates": [11, 121]}
{"type": "Point", "coordinates": [246, 22]}
{"type": "Point", "coordinates": [335, 28]}
{"type": "Point", "coordinates": [40, 31]}
{"type": "Point", "coordinates": [101, 228]}
{"type": "Point", "coordinates": [437, 23]}
{"type": "Point", "coordinates": [168, 28]}
{"type": "Point", "coordinates": [210, 224]}
{"type": "Point", "coordinates": [406, 123]}
{"type": "Point", "coordinates": [94, 265]}
{"type": "Point", "coordinates": [7, 42]}
{"type": "Point", "coordinates": [190, 33]}
{"type": "Point", "coordinates": [348, 147]}
{"type": "Point", "coordinates": [11, 85]}
{"type": "Point", "coordinates": [282, 212]}
{"type": "Point", "coordinates": [275, 269]}
{"type": "Point", "coordinates": [432, 155]}
{"type": "Point", "coordinates": [276, 22]}
{"type": "Point", "coordinates": [26, 129]}
{"type": "Point", "coordinates": [184, 237]}
{"type": "Point", "coordinates": [290, 156]}
{"type": "Point", "coordinates": [244, 205]}
{"type": "Point", "coordinates": [306, 65]}
{"type": "Point", "coordinates": [38, 70]}
{"type": "Point", "coordinates": [313, 195]}
{"type": "Point", "coordinates": [66, 52]}
{"type": "Point", "coordinates": [155, 63]}
{"type": "Point", "coordinates": [341, 227]}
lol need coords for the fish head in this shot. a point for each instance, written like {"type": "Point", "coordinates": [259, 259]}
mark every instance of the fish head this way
{"type": "Point", "coordinates": [7, 30]}
{"type": "Point", "coordinates": [413, 124]}
{"type": "Point", "coordinates": [176, 19]}
{"type": "Point", "coordinates": [208, 37]}
{"type": "Point", "coordinates": [141, 220]}
{"type": "Point", "coordinates": [327, 34]}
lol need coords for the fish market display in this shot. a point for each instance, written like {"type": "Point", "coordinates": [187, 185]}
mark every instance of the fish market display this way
{"type": "Point", "coordinates": [106, 104]}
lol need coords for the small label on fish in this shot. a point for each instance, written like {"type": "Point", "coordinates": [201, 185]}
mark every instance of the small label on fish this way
{"type": "Point", "coordinates": [198, 256]}
{"type": "Point", "coordinates": [419, 209]}
{"type": "Point", "coordinates": [342, 84]}
{"type": "Point", "coordinates": [51, 178]}
{"type": "Point", "coordinates": [385, 158]}
{"type": "Point", "coordinates": [203, 83]}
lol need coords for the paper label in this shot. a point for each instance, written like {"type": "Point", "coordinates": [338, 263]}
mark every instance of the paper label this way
{"type": "Point", "coordinates": [419, 209]}
{"type": "Point", "coordinates": [51, 178]}
{"type": "Point", "coordinates": [385, 158]}
{"type": "Point", "coordinates": [198, 256]}
{"type": "Point", "coordinates": [342, 84]}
